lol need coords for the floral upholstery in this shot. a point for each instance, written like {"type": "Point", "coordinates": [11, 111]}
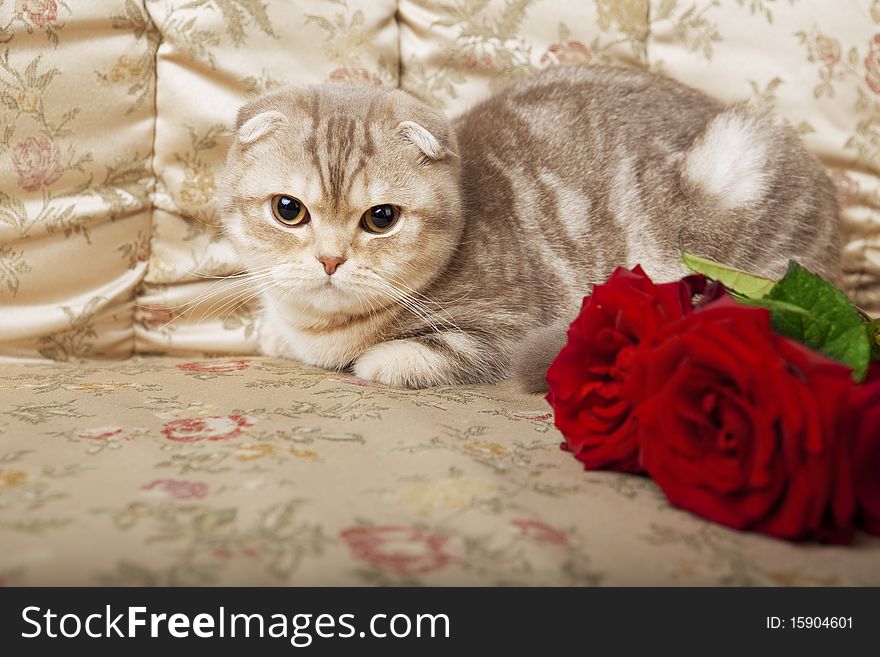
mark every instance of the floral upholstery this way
{"type": "Point", "coordinates": [257, 471]}
{"type": "Point", "coordinates": [114, 120]}
{"type": "Point", "coordinates": [76, 132]}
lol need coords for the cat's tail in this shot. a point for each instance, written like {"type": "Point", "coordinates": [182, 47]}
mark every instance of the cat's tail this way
{"type": "Point", "coordinates": [534, 355]}
{"type": "Point", "coordinates": [759, 197]}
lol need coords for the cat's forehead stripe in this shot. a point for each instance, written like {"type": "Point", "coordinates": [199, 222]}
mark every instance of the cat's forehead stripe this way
{"type": "Point", "coordinates": [340, 146]}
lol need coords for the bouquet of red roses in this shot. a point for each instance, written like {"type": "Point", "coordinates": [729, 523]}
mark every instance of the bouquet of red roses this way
{"type": "Point", "coordinates": [750, 402]}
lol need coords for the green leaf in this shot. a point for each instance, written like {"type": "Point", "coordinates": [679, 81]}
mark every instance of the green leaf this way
{"type": "Point", "coordinates": [874, 337]}
{"type": "Point", "coordinates": [853, 348]}
{"type": "Point", "coordinates": [831, 325]}
{"type": "Point", "coordinates": [736, 280]}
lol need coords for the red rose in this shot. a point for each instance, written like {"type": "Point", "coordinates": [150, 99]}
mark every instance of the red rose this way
{"type": "Point", "coordinates": [401, 550]}
{"type": "Point", "coordinates": [190, 430]}
{"type": "Point", "coordinates": [866, 457]}
{"type": "Point", "coordinates": [745, 427]}
{"type": "Point", "coordinates": [585, 380]}
{"type": "Point", "coordinates": [37, 161]}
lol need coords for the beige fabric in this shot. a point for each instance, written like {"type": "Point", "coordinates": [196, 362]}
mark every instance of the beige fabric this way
{"type": "Point", "coordinates": [78, 120]}
{"type": "Point", "coordinates": [76, 134]}
{"type": "Point", "coordinates": [214, 57]}
{"type": "Point", "coordinates": [456, 53]}
{"type": "Point", "coordinates": [256, 471]}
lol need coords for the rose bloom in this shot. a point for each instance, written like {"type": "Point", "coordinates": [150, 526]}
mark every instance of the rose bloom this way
{"type": "Point", "coordinates": [827, 49]}
{"type": "Point", "coordinates": [401, 550]}
{"type": "Point", "coordinates": [872, 65]}
{"type": "Point", "coordinates": [866, 458]}
{"type": "Point", "coordinates": [571, 52]}
{"type": "Point", "coordinates": [745, 427]}
{"type": "Point", "coordinates": [37, 161]}
{"type": "Point", "coordinates": [39, 12]}
{"type": "Point", "coordinates": [585, 379]}
{"type": "Point", "coordinates": [190, 430]}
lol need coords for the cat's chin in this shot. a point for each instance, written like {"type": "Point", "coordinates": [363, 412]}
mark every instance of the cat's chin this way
{"type": "Point", "coordinates": [325, 298]}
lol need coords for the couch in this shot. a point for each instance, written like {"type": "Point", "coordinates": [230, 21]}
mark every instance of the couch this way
{"type": "Point", "coordinates": [142, 439]}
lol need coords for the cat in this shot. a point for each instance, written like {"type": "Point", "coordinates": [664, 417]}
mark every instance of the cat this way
{"type": "Point", "coordinates": [415, 251]}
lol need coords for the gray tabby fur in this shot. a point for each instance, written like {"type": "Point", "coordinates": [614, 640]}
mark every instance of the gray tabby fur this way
{"type": "Point", "coordinates": [509, 214]}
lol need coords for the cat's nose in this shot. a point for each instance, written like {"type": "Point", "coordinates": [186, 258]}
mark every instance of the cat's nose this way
{"type": "Point", "coordinates": [330, 264]}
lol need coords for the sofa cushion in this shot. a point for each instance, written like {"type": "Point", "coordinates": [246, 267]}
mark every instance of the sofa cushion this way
{"type": "Point", "coordinates": [213, 57]}
{"type": "Point", "coordinates": [76, 135]}
{"type": "Point", "coordinates": [259, 471]}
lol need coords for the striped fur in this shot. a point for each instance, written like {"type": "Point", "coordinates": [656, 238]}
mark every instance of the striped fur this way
{"type": "Point", "coordinates": [509, 214]}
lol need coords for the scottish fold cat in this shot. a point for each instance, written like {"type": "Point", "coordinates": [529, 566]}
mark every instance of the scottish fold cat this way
{"type": "Point", "coordinates": [417, 251]}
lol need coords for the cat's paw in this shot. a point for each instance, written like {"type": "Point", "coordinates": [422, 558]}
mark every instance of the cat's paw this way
{"type": "Point", "coordinates": [403, 364]}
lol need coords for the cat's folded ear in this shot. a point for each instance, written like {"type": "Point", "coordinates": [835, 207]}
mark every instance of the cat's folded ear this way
{"type": "Point", "coordinates": [251, 128]}
{"type": "Point", "coordinates": [431, 146]}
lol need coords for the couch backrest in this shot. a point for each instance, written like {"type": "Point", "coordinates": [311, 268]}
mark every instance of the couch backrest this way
{"type": "Point", "coordinates": [115, 117]}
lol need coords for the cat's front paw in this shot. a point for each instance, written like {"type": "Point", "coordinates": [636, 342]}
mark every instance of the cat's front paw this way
{"type": "Point", "coordinates": [403, 364]}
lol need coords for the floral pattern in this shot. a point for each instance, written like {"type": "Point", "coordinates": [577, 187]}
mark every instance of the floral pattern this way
{"type": "Point", "coordinates": [400, 550]}
{"type": "Point", "coordinates": [39, 12]}
{"type": "Point", "coordinates": [178, 489]}
{"type": "Point", "coordinates": [188, 430]}
{"type": "Point", "coordinates": [872, 65]}
{"type": "Point", "coordinates": [37, 162]}
{"type": "Point", "coordinates": [65, 196]}
{"type": "Point", "coordinates": [281, 474]}
{"type": "Point", "coordinates": [137, 213]}
{"type": "Point", "coordinates": [241, 470]}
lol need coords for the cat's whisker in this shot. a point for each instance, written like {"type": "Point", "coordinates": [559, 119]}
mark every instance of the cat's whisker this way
{"type": "Point", "coordinates": [225, 291]}
{"type": "Point", "coordinates": [391, 277]}
{"type": "Point", "coordinates": [242, 298]}
{"type": "Point", "coordinates": [417, 309]}
{"type": "Point", "coordinates": [448, 321]}
{"type": "Point", "coordinates": [242, 302]}
{"type": "Point", "coordinates": [245, 301]}
{"type": "Point", "coordinates": [405, 303]}
{"type": "Point", "coordinates": [244, 288]}
{"type": "Point", "coordinates": [219, 294]}
{"type": "Point", "coordinates": [237, 274]}
{"type": "Point", "coordinates": [424, 305]}
{"type": "Point", "coordinates": [216, 289]}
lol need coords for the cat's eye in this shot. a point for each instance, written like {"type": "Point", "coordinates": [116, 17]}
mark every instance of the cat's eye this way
{"type": "Point", "coordinates": [380, 218]}
{"type": "Point", "coordinates": [289, 211]}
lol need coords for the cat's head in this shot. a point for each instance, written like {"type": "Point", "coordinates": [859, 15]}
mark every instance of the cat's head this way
{"type": "Point", "coordinates": [341, 196]}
